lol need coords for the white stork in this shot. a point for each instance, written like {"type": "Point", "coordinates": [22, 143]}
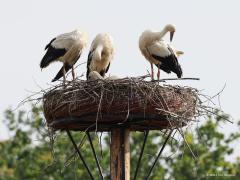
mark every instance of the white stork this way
{"type": "Point", "coordinates": [160, 53]}
{"type": "Point", "coordinates": [100, 55]}
{"type": "Point", "coordinates": [66, 48]}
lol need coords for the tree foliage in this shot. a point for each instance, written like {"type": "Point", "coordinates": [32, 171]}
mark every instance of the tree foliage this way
{"type": "Point", "coordinates": [29, 153]}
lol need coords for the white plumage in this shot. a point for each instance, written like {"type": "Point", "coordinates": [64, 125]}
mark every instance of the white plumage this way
{"type": "Point", "coordinates": [160, 53]}
{"type": "Point", "coordinates": [101, 54]}
{"type": "Point", "coordinates": [66, 48]}
{"type": "Point", "coordinates": [113, 77]}
{"type": "Point", "coordinates": [94, 75]}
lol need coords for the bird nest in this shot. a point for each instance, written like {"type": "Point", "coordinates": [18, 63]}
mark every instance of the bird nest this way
{"type": "Point", "coordinates": [101, 105]}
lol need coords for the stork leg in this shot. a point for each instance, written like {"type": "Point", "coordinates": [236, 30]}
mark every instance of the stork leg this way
{"type": "Point", "coordinates": [152, 71]}
{"type": "Point", "coordinates": [64, 75]}
{"type": "Point", "coordinates": [158, 74]}
{"type": "Point", "coordinates": [73, 73]}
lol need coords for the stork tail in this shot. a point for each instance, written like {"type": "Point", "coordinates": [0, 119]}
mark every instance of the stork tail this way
{"type": "Point", "coordinates": [179, 71]}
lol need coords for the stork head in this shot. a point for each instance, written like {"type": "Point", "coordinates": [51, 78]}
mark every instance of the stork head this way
{"type": "Point", "coordinates": [170, 28]}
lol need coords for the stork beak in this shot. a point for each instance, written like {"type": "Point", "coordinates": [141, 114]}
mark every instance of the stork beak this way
{"type": "Point", "coordinates": [171, 35]}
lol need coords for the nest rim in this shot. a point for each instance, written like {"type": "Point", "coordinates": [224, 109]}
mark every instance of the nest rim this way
{"type": "Point", "coordinates": [85, 121]}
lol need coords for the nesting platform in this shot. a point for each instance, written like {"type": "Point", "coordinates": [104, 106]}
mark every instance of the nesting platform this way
{"type": "Point", "coordinates": [102, 105]}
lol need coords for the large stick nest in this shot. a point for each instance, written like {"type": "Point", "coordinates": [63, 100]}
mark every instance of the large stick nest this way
{"type": "Point", "coordinates": [101, 105]}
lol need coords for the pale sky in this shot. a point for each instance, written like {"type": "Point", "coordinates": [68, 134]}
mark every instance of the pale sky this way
{"type": "Point", "coordinates": [207, 31]}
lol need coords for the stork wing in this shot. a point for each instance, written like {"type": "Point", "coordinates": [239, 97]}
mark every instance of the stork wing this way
{"type": "Point", "coordinates": [90, 54]}
{"type": "Point", "coordinates": [159, 48]}
{"type": "Point", "coordinates": [64, 41]}
{"type": "Point", "coordinates": [56, 48]}
{"type": "Point", "coordinates": [52, 54]}
{"type": "Point", "coordinates": [166, 55]}
{"type": "Point", "coordinates": [72, 56]}
{"type": "Point", "coordinates": [49, 44]}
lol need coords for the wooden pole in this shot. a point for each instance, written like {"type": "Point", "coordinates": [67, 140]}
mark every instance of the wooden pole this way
{"type": "Point", "coordinates": [120, 154]}
{"type": "Point", "coordinates": [127, 153]}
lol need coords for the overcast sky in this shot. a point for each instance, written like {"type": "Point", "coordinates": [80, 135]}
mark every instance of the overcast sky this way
{"type": "Point", "coordinates": [207, 31]}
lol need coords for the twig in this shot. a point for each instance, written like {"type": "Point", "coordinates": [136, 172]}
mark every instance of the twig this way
{"type": "Point", "coordinates": [182, 134]}
{"type": "Point", "coordinates": [175, 79]}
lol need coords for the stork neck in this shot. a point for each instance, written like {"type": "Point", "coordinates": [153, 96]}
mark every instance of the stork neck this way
{"type": "Point", "coordinates": [99, 49]}
{"type": "Point", "coordinates": [159, 35]}
{"type": "Point", "coordinates": [98, 52]}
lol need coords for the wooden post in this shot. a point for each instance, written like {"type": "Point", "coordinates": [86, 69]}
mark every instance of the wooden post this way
{"type": "Point", "coordinates": [120, 154]}
{"type": "Point", "coordinates": [127, 153]}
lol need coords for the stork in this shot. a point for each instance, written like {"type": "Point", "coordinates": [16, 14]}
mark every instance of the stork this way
{"type": "Point", "coordinates": [100, 55]}
{"type": "Point", "coordinates": [66, 48]}
{"type": "Point", "coordinates": [160, 53]}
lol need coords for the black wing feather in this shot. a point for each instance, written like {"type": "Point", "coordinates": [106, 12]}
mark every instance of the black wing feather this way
{"type": "Point", "coordinates": [60, 72]}
{"type": "Point", "coordinates": [51, 55]}
{"type": "Point", "coordinates": [89, 62]}
{"type": "Point", "coordinates": [49, 44]}
{"type": "Point", "coordinates": [104, 71]}
{"type": "Point", "coordinates": [169, 64]}
{"type": "Point", "coordinates": [108, 67]}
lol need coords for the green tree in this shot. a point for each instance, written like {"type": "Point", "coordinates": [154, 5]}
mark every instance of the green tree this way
{"type": "Point", "coordinates": [211, 146]}
{"type": "Point", "coordinates": [29, 153]}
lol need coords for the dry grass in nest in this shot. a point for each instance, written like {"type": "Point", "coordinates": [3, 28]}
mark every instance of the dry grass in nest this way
{"type": "Point", "coordinates": [100, 105]}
